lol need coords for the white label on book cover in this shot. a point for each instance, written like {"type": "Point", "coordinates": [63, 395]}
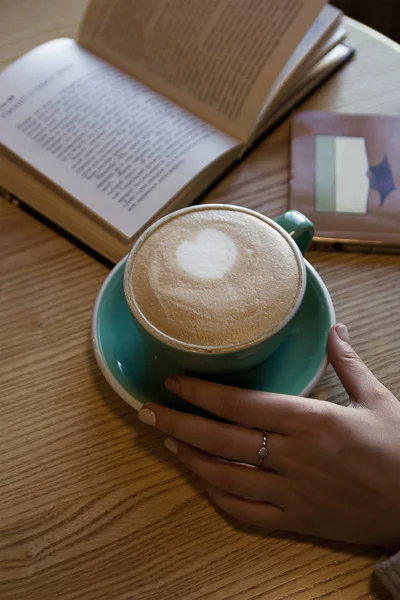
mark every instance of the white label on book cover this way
{"type": "Point", "coordinates": [341, 174]}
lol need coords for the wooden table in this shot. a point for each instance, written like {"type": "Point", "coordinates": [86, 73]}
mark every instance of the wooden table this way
{"type": "Point", "coordinates": [91, 505]}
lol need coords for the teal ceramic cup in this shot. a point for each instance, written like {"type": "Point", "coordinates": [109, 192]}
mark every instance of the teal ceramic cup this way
{"type": "Point", "coordinates": [298, 231]}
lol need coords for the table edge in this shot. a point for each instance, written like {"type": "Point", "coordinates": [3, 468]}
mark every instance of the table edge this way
{"type": "Point", "coordinates": [380, 37]}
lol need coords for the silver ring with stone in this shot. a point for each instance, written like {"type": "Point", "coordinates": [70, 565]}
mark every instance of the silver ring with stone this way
{"type": "Point", "coordinates": [263, 451]}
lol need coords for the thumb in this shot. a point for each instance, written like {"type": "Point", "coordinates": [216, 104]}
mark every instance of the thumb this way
{"type": "Point", "coordinates": [358, 381]}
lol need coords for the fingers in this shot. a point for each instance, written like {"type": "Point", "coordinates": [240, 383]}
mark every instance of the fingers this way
{"type": "Point", "coordinates": [237, 479]}
{"type": "Point", "coordinates": [270, 412]}
{"type": "Point", "coordinates": [249, 511]}
{"type": "Point", "coordinates": [233, 442]}
{"type": "Point", "coordinates": [358, 381]}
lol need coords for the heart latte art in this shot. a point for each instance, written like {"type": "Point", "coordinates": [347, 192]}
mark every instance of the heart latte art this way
{"type": "Point", "coordinates": [211, 255]}
{"type": "Point", "coordinates": [213, 277]}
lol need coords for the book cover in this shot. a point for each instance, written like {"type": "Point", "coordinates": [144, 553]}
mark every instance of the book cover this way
{"type": "Point", "coordinates": [345, 176]}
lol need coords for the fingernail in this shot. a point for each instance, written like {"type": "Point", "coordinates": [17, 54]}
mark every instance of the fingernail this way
{"type": "Point", "coordinates": [147, 416]}
{"type": "Point", "coordinates": [172, 384]}
{"type": "Point", "coordinates": [343, 333]}
{"type": "Point", "coordinates": [171, 445]}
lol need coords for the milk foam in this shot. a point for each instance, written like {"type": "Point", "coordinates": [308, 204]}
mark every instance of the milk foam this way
{"type": "Point", "coordinates": [210, 255]}
{"type": "Point", "coordinates": [214, 278]}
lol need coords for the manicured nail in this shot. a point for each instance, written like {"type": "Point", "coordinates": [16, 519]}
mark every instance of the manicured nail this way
{"type": "Point", "coordinates": [147, 416]}
{"type": "Point", "coordinates": [343, 333]}
{"type": "Point", "coordinates": [172, 384]}
{"type": "Point", "coordinates": [171, 445]}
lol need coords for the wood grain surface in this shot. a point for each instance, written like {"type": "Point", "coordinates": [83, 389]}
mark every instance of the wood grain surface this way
{"type": "Point", "coordinates": [91, 505]}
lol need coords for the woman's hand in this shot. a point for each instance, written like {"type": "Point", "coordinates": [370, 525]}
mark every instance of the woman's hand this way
{"type": "Point", "coordinates": [331, 471]}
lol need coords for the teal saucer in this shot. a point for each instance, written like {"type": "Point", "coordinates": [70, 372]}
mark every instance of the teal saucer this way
{"type": "Point", "coordinates": [137, 376]}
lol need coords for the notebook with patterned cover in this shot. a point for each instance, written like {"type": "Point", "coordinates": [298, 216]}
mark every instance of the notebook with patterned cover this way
{"type": "Point", "coordinates": [345, 176]}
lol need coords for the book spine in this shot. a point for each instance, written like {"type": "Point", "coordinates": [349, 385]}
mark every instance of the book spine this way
{"type": "Point", "coordinates": [59, 230]}
{"type": "Point", "coordinates": [7, 196]}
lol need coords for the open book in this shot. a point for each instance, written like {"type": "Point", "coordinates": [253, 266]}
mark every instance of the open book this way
{"type": "Point", "coordinates": [152, 104]}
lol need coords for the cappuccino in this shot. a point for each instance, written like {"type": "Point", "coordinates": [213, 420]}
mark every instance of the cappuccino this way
{"type": "Point", "coordinates": [214, 278]}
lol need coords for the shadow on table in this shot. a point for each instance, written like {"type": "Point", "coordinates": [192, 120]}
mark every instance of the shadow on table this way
{"type": "Point", "coordinates": [377, 590]}
{"type": "Point", "coordinates": [128, 417]}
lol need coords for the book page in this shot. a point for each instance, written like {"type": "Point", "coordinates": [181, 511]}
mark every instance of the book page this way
{"type": "Point", "coordinates": [115, 145]}
{"type": "Point", "coordinates": [300, 78]}
{"type": "Point", "coordinates": [320, 31]}
{"type": "Point", "coordinates": [311, 80]}
{"type": "Point", "coordinates": [217, 58]}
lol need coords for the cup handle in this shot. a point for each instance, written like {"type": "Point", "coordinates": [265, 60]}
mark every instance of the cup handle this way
{"type": "Point", "coordinates": [298, 227]}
